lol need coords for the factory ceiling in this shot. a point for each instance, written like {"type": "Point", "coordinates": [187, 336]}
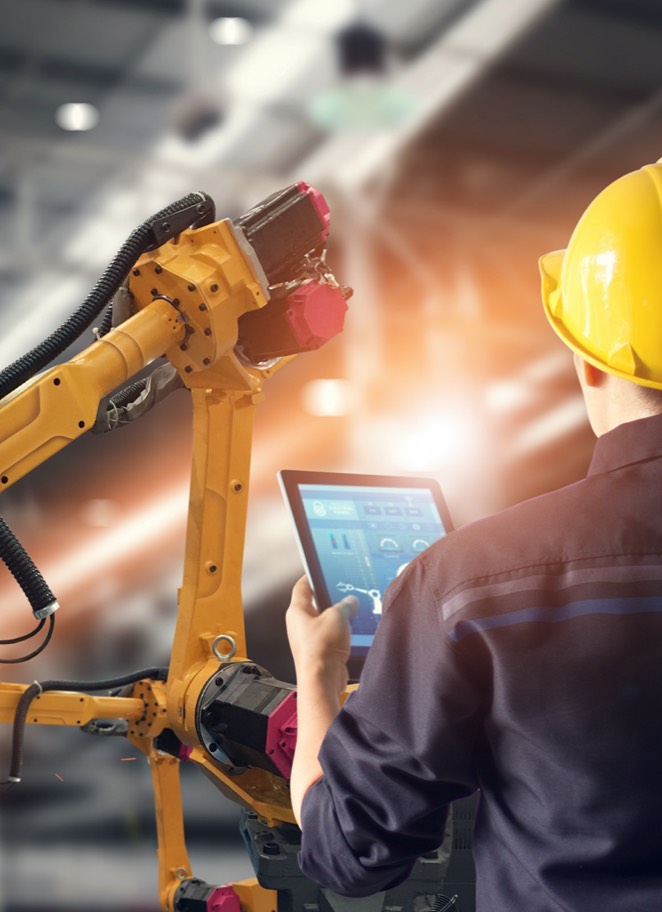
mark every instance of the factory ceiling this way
{"type": "Point", "coordinates": [495, 123]}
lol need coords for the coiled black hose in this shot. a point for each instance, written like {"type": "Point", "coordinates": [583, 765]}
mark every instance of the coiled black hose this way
{"type": "Point", "coordinates": [128, 393]}
{"type": "Point", "coordinates": [28, 695]}
{"type": "Point", "coordinates": [140, 240]}
{"type": "Point", "coordinates": [25, 573]}
{"type": "Point", "coordinates": [106, 322]}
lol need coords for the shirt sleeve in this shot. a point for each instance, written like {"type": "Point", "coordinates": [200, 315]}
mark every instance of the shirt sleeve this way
{"type": "Point", "coordinates": [400, 750]}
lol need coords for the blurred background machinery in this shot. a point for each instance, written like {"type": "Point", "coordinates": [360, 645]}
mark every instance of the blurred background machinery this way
{"type": "Point", "coordinates": [455, 141]}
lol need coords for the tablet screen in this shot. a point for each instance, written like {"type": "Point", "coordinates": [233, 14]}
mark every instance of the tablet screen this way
{"type": "Point", "coordinates": [357, 533]}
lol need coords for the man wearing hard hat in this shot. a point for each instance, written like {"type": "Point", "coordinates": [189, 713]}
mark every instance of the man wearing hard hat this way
{"type": "Point", "coordinates": [521, 655]}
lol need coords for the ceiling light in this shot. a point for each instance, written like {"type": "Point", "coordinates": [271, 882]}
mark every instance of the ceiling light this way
{"type": "Point", "coordinates": [321, 17]}
{"type": "Point", "coordinates": [230, 30]}
{"type": "Point", "coordinates": [77, 116]}
{"type": "Point", "coordinates": [329, 398]}
{"type": "Point", "coordinates": [448, 437]}
{"type": "Point", "coordinates": [100, 513]}
{"type": "Point", "coordinates": [364, 102]}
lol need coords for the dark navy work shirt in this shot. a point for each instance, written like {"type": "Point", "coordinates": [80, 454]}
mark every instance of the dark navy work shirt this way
{"type": "Point", "coordinates": [522, 656]}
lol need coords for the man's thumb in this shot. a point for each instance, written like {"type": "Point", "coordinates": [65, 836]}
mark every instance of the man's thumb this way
{"type": "Point", "coordinates": [349, 607]}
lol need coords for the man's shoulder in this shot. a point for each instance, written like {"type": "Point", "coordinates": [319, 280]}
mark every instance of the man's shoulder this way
{"type": "Point", "coordinates": [529, 535]}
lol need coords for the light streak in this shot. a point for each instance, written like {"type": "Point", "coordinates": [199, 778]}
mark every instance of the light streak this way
{"type": "Point", "coordinates": [553, 425]}
{"type": "Point", "coordinates": [148, 527]}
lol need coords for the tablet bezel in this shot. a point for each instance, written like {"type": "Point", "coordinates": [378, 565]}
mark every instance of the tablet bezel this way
{"type": "Point", "coordinates": [290, 479]}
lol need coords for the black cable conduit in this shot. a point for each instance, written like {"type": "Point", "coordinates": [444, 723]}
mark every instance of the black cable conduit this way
{"type": "Point", "coordinates": [140, 240]}
{"type": "Point", "coordinates": [28, 695]}
{"type": "Point", "coordinates": [128, 394]}
{"type": "Point", "coordinates": [24, 571]}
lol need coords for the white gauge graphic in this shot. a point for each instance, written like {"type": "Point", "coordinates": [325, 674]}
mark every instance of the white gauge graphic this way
{"type": "Point", "coordinates": [389, 544]}
{"type": "Point", "coordinates": [419, 544]}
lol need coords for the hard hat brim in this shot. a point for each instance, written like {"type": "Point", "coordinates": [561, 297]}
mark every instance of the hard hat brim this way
{"type": "Point", "coordinates": [551, 265]}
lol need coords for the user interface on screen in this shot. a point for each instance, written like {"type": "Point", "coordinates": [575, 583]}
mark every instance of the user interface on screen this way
{"type": "Point", "coordinates": [363, 537]}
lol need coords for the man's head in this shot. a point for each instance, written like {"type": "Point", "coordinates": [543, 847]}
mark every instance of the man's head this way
{"type": "Point", "coordinates": [603, 296]}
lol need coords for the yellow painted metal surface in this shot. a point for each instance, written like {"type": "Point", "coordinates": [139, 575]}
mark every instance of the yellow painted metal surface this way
{"type": "Point", "coordinates": [254, 898]}
{"type": "Point", "coordinates": [42, 417]}
{"type": "Point", "coordinates": [207, 276]}
{"type": "Point", "coordinates": [188, 297]}
{"type": "Point", "coordinates": [67, 708]}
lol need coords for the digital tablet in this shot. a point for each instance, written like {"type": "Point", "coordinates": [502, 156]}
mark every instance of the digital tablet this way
{"type": "Point", "coordinates": [357, 533]}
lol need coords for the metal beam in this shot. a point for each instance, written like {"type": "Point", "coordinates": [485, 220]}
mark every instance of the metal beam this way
{"type": "Point", "coordinates": [434, 82]}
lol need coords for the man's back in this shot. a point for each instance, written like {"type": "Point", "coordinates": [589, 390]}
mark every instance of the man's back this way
{"type": "Point", "coordinates": [533, 644]}
{"type": "Point", "coordinates": [573, 741]}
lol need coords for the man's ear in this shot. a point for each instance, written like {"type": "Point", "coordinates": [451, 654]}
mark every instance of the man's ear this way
{"type": "Point", "coordinates": [589, 374]}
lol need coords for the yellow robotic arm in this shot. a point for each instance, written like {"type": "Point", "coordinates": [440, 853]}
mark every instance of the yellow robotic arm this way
{"type": "Point", "coordinates": [228, 304]}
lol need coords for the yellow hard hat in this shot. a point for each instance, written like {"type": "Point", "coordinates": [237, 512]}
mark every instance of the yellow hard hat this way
{"type": "Point", "coordinates": [603, 294]}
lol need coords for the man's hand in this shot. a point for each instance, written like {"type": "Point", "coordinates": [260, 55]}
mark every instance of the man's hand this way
{"type": "Point", "coordinates": [320, 646]}
{"type": "Point", "coordinates": [320, 640]}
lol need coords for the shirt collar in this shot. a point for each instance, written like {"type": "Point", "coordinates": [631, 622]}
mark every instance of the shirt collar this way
{"type": "Point", "coordinates": [634, 441]}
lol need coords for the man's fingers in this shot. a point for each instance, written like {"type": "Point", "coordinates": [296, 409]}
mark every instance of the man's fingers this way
{"type": "Point", "coordinates": [302, 601]}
